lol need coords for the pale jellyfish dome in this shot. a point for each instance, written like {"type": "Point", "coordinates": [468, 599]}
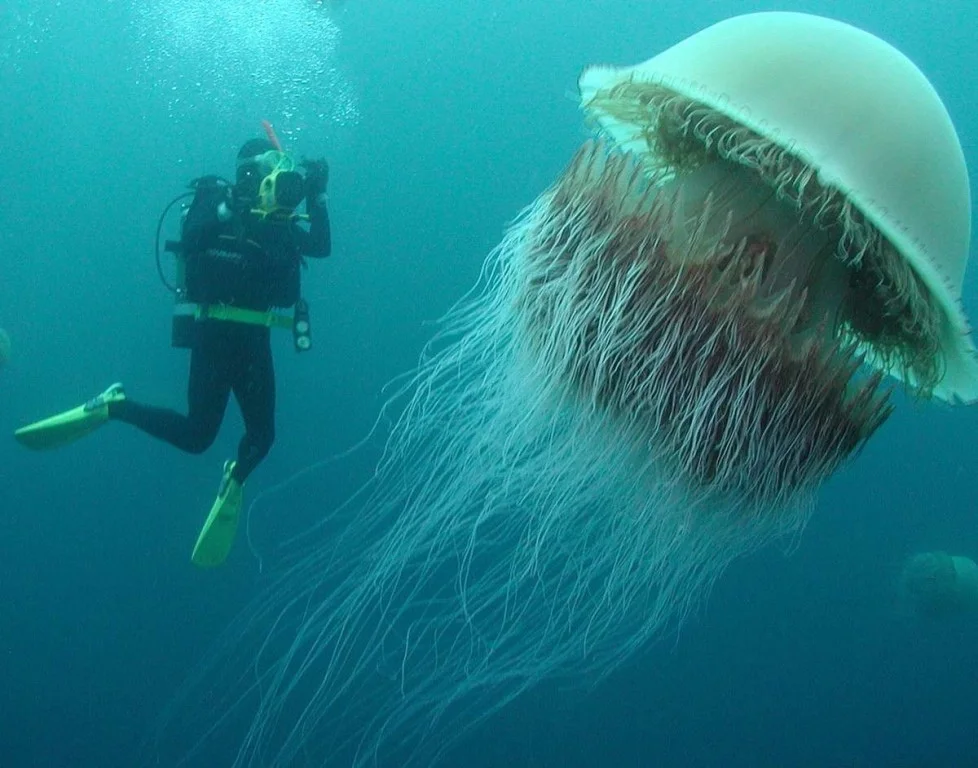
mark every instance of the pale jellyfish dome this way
{"type": "Point", "coordinates": [4, 347]}
{"type": "Point", "coordinates": [869, 128]}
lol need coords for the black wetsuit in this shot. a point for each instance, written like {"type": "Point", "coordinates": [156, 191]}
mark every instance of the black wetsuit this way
{"type": "Point", "coordinates": [250, 263]}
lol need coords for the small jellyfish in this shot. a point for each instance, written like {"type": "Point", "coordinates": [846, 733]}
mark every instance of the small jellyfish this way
{"type": "Point", "coordinates": [5, 347]}
{"type": "Point", "coordinates": [936, 584]}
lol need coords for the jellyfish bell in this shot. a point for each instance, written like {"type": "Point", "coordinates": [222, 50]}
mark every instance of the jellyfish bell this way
{"type": "Point", "coordinates": [846, 130]}
{"type": "Point", "coordinates": [672, 347]}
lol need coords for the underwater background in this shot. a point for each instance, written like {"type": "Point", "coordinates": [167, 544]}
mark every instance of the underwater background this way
{"type": "Point", "coordinates": [441, 120]}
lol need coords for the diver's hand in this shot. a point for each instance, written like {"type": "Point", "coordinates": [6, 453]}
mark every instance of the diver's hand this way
{"type": "Point", "coordinates": [317, 177]}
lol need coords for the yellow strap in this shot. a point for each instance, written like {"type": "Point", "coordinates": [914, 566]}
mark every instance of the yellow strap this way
{"type": "Point", "coordinates": [239, 315]}
{"type": "Point", "coordinates": [280, 214]}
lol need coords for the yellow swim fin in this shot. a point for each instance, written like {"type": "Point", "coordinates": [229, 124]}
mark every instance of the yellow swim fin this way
{"type": "Point", "coordinates": [64, 428]}
{"type": "Point", "coordinates": [217, 536]}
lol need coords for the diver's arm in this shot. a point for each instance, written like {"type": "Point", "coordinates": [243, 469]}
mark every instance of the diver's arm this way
{"type": "Point", "coordinates": [317, 242]}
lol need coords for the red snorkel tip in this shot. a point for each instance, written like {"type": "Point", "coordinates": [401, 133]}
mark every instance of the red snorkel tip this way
{"type": "Point", "coordinates": [270, 132]}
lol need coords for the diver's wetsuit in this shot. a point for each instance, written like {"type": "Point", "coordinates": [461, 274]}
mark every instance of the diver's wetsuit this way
{"type": "Point", "coordinates": [250, 263]}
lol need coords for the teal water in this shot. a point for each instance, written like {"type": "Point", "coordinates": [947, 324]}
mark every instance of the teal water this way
{"type": "Point", "coordinates": [440, 120]}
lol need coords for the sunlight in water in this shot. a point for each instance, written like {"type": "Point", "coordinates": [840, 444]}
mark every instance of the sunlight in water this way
{"type": "Point", "coordinates": [21, 28]}
{"type": "Point", "coordinates": [273, 57]}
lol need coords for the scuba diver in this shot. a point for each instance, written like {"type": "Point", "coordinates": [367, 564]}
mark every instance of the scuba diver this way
{"type": "Point", "coordinates": [238, 266]}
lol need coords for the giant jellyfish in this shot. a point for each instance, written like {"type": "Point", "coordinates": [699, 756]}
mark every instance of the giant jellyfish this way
{"type": "Point", "coordinates": [667, 354]}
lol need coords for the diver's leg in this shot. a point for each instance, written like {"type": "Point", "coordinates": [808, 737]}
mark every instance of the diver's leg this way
{"type": "Point", "coordinates": [208, 391]}
{"type": "Point", "coordinates": [254, 389]}
{"type": "Point", "coordinates": [66, 427]}
{"type": "Point", "coordinates": [253, 384]}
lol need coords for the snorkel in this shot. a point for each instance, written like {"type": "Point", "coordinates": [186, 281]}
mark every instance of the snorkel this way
{"type": "Point", "coordinates": [270, 133]}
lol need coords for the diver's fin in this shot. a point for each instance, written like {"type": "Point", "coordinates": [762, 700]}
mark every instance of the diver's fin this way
{"type": "Point", "coordinates": [216, 537]}
{"type": "Point", "coordinates": [64, 428]}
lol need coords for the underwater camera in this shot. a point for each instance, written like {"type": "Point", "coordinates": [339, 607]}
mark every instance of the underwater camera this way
{"type": "Point", "coordinates": [281, 190]}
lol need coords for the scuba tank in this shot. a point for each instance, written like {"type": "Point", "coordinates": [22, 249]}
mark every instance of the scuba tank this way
{"type": "Point", "coordinates": [182, 323]}
{"type": "Point", "coordinates": [206, 190]}
{"type": "Point", "coordinates": [184, 316]}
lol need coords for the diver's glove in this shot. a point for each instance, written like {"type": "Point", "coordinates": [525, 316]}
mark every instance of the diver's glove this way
{"type": "Point", "coordinates": [317, 177]}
